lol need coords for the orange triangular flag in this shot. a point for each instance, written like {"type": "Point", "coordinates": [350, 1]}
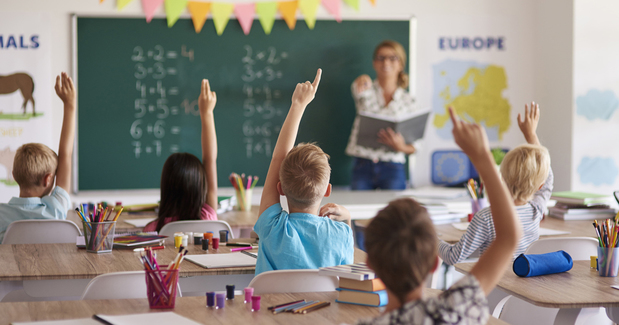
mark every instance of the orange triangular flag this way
{"type": "Point", "coordinates": [373, 2]}
{"type": "Point", "coordinates": [289, 12]}
{"type": "Point", "coordinates": [198, 12]}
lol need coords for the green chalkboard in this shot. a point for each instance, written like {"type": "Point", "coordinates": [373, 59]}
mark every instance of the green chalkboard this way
{"type": "Point", "coordinates": [138, 86]}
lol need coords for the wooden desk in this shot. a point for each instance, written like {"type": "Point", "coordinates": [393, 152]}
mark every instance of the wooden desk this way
{"type": "Point", "coordinates": [581, 287]}
{"type": "Point", "coordinates": [235, 312]}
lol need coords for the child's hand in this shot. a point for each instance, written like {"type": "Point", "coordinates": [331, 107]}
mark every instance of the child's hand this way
{"type": "Point", "coordinates": [363, 83]}
{"type": "Point", "coordinates": [528, 126]}
{"type": "Point", "coordinates": [207, 99]}
{"type": "Point", "coordinates": [335, 212]}
{"type": "Point", "coordinates": [65, 90]}
{"type": "Point", "coordinates": [304, 93]}
{"type": "Point", "coordinates": [471, 138]}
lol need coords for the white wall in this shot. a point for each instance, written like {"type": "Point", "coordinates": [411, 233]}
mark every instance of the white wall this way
{"type": "Point", "coordinates": [543, 27]}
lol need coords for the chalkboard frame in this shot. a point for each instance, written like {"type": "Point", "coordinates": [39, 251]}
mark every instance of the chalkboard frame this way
{"type": "Point", "coordinates": [412, 69]}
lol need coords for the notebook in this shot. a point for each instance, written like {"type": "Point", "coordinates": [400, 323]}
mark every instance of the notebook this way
{"type": "Point", "coordinates": [411, 126]}
{"type": "Point", "coordinates": [357, 271]}
{"type": "Point", "coordinates": [165, 318]}
{"type": "Point", "coordinates": [210, 261]}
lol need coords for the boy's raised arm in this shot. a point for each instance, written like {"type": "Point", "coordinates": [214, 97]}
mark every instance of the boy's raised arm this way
{"type": "Point", "coordinates": [66, 92]}
{"type": "Point", "coordinates": [207, 102]}
{"type": "Point", "coordinates": [495, 260]}
{"type": "Point", "coordinates": [302, 96]}
{"type": "Point", "coordinates": [528, 126]}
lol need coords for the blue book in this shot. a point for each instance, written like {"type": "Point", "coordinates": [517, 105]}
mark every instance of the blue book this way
{"type": "Point", "coordinates": [364, 298]}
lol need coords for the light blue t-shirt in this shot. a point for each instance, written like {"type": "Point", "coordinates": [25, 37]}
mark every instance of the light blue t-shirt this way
{"type": "Point", "coordinates": [301, 241]}
{"type": "Point", "coordinates": [53, 206]}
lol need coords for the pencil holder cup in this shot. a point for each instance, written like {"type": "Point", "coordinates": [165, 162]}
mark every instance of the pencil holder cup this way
{"type": "Point", "coordinates": [99, 236]}
{"type": "Point", "coordinates": [478, 204]}
{"type": "Point", "coordinates": [608, 261]}
{"type": "Point", "coordinates": [161, 288]}
{"type": "Point", "coordinates": [243, 200]}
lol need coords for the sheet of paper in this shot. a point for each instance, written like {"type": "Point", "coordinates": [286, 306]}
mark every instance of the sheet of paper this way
{"type": "Point", "coordinates": [435, 192]}
{"type": "Point", "coordinates": [552, 232]}
{"type": "Point", "coordinates": [222, 260]}
{"type": "Point", "coordinates": [139, 223]}
{"type": "Point", "coordinates": [82, 321]}
{"type": "Point", "coordinates": [460, 225]}
{"type": "Point", "coordinates": [165, 318]}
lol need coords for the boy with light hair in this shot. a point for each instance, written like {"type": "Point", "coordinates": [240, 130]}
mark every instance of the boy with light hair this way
{"type": "Point", "coordinates": [308, 236]}
{"type": "Point", "coordinates": [36, 167]}
{"type": "Point", "coordinates": [527, 174]}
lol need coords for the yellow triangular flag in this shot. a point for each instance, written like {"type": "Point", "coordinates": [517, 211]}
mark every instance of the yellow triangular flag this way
{"type": "Point", "coordinates": [121, 3]}
{"type": "Point", "coordinates": [198, 12]}
{"type": "Point", "coordinates": [308, 9]}
{"type": "Point", "coordinates": [101, 1]}
{"type": "Point", "coordinates": [221, 14]}
{"type": "Point", "coordinates": [373, 2]}
{"type": "Point", "coordinates": [353, 3]}
{"type": "Point", "coordinates": [266, 13]}
{"type": "Point", "coordinates": [173, 10]}
{"type": "Point", "coordinates": [289, 12]}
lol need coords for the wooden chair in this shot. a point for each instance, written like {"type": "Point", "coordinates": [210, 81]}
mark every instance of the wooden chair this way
{"type": "Point", "coordinates": [196, 226]}
{"type": "Point", "coordinates": [282, 281]}
{"type": "Point", "coordinates": [41, 231]}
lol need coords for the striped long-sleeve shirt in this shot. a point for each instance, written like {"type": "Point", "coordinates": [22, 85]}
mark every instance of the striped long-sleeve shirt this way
{"type": "Point", "coordinates": [480, 232]}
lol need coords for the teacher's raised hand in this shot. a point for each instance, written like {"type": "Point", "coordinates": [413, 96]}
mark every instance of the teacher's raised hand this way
{"type": "Point", "coordinates": [363, 83]}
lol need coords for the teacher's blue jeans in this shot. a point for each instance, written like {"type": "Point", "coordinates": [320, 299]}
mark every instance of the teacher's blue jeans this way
{"type": "Point", "coordinates": [368, 175]}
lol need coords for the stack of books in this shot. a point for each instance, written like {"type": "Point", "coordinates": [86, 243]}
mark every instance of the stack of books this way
{"type": "Point", "coordinates": [358, 285]}
{"type": "Point", "coordinates": [581, 206]}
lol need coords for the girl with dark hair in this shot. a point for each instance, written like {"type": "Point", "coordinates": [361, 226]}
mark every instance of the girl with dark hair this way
{"type": "Point", "coordinates": [188, 186]}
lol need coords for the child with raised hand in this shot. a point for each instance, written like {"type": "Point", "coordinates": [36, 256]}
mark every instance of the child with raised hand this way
{"type": "Point", "coordinates": [188, 186]}
{"type": "Point", "coordinates": [402, 245]}
{"type": "Point", "coordinates": [36, 167]}
{"type": "Point", "coordinates": [529, 179]}
{"type": "Point", "coordinates": [300, 239]}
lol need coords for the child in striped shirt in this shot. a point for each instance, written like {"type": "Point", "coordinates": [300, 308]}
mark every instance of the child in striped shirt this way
{"type": "Point", "coordinates": [526, 172]}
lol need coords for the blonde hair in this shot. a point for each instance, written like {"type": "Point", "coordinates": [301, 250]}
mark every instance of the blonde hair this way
{"type": "Point", "coordinates": [32, 162]}
{"type": "Point", "coordinates": [524, 170]}
{"type": "Point", "coordinates": [401, 54]}
{"type": "Point", "coordinates": [304, 174]}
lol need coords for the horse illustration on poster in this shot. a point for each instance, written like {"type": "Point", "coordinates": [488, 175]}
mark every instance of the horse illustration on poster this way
{"type": "Point", "coordinates": [22, 82]}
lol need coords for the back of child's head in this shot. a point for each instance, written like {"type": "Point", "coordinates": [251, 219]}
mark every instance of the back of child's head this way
{"type": "Point", "coordinates": [32, 162]}
{"type": "Point", "coordinates": [304, 175]}
{"type": "Point", "coordinates": [524, 169]}
{"type": "Point", "coordinates": [402, 246]}
{"type": "Point", "coordinates": [183, 188]}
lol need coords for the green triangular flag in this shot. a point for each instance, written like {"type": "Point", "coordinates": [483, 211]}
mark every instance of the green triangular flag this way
{"type": "Point", "coordinates": [308, 9]}
{"type": "Point", "coordinates": [266, 13]}
{"type": "Point", "coordinates": [353, 3]}
{"type": "Point", "coordinates": [122, 3]}
{"type": "Point", "coordinates": [221, 14]}
{"type": "Point", "coordinates": [173, 10]}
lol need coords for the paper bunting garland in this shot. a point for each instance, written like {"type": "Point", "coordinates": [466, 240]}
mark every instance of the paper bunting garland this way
{"type": "Point", "coordinates": [150, 7]}
{"type": "Point", "coordinates": [353, 3]}
{"type": "Point", "coordinates": [266, 13]}
{"type": "Point", "coordinates": [221, 15]}
{"type": "Point", "coordinates": [308, 9]}
{"type": "Point", "coordinates": [373, 2]}
{"type": "Point", "coordinates": [333, 7]}
{"type": "Point", "coordinates": [174, 9]}
{"type": "Point", "coordinates": [121, 3]}
{"type": "Point", "coordinates": [198, 12]}
{"type": "Point", "coordinates": [245, 14]}
{"type": "Point", "coordinates": [288, 9]}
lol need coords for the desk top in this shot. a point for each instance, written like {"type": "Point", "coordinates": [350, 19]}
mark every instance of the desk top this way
{"type": "Point", "coordinates": [580, 287]}
{"type": "Point", "coordinates": [66, 261]}
{"type": "Point", "coordinates": [235, 312]}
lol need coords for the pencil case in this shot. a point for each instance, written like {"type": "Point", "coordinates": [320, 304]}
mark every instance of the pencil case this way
{"type": "Point", "coordinates": [541, 264]}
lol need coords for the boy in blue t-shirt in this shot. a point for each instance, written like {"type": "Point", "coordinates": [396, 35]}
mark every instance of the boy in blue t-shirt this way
{"type": "Point", "coordinates": [36, 167]}
{"type": "Point", "coordinates": [301, 239]}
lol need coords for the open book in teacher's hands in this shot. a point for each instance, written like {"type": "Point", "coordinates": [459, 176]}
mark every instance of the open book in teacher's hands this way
{"type": "Point", "coordinates": [412, 126]}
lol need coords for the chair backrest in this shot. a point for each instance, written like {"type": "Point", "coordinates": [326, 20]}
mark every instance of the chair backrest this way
{"type": "Point", "coordinates": [282, 281]}
{"type": "Point", "coordinates": [41, 231]}
{"type": "Point", "coordinates": [119, 285]}
{"type": "Point", "coordinates": [196, 226]}
{"type": "Point", "coordinates": [579, 248]}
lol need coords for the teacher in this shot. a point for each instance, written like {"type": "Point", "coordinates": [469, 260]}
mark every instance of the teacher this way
{"type": "Point", "coordinates": [382, 168]}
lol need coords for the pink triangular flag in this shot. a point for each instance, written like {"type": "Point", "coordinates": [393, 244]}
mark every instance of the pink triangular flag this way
{"type": "Point", "coordinates": [333, 7]}
{"type": "Point", "coordinates": [150, 7]}
{"type": "Point", "coordinates": [245, 14]}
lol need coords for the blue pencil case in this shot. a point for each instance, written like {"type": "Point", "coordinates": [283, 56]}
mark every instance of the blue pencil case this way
{"type": "Point", "coordinates": [541, 264]}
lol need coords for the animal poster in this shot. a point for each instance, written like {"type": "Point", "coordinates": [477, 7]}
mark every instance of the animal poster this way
{"type": "Point", "coordinates": [26, 90]}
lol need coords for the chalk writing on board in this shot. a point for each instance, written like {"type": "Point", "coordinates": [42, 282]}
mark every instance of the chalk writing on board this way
{"type": "Point", "coordinates": [155, 102]}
